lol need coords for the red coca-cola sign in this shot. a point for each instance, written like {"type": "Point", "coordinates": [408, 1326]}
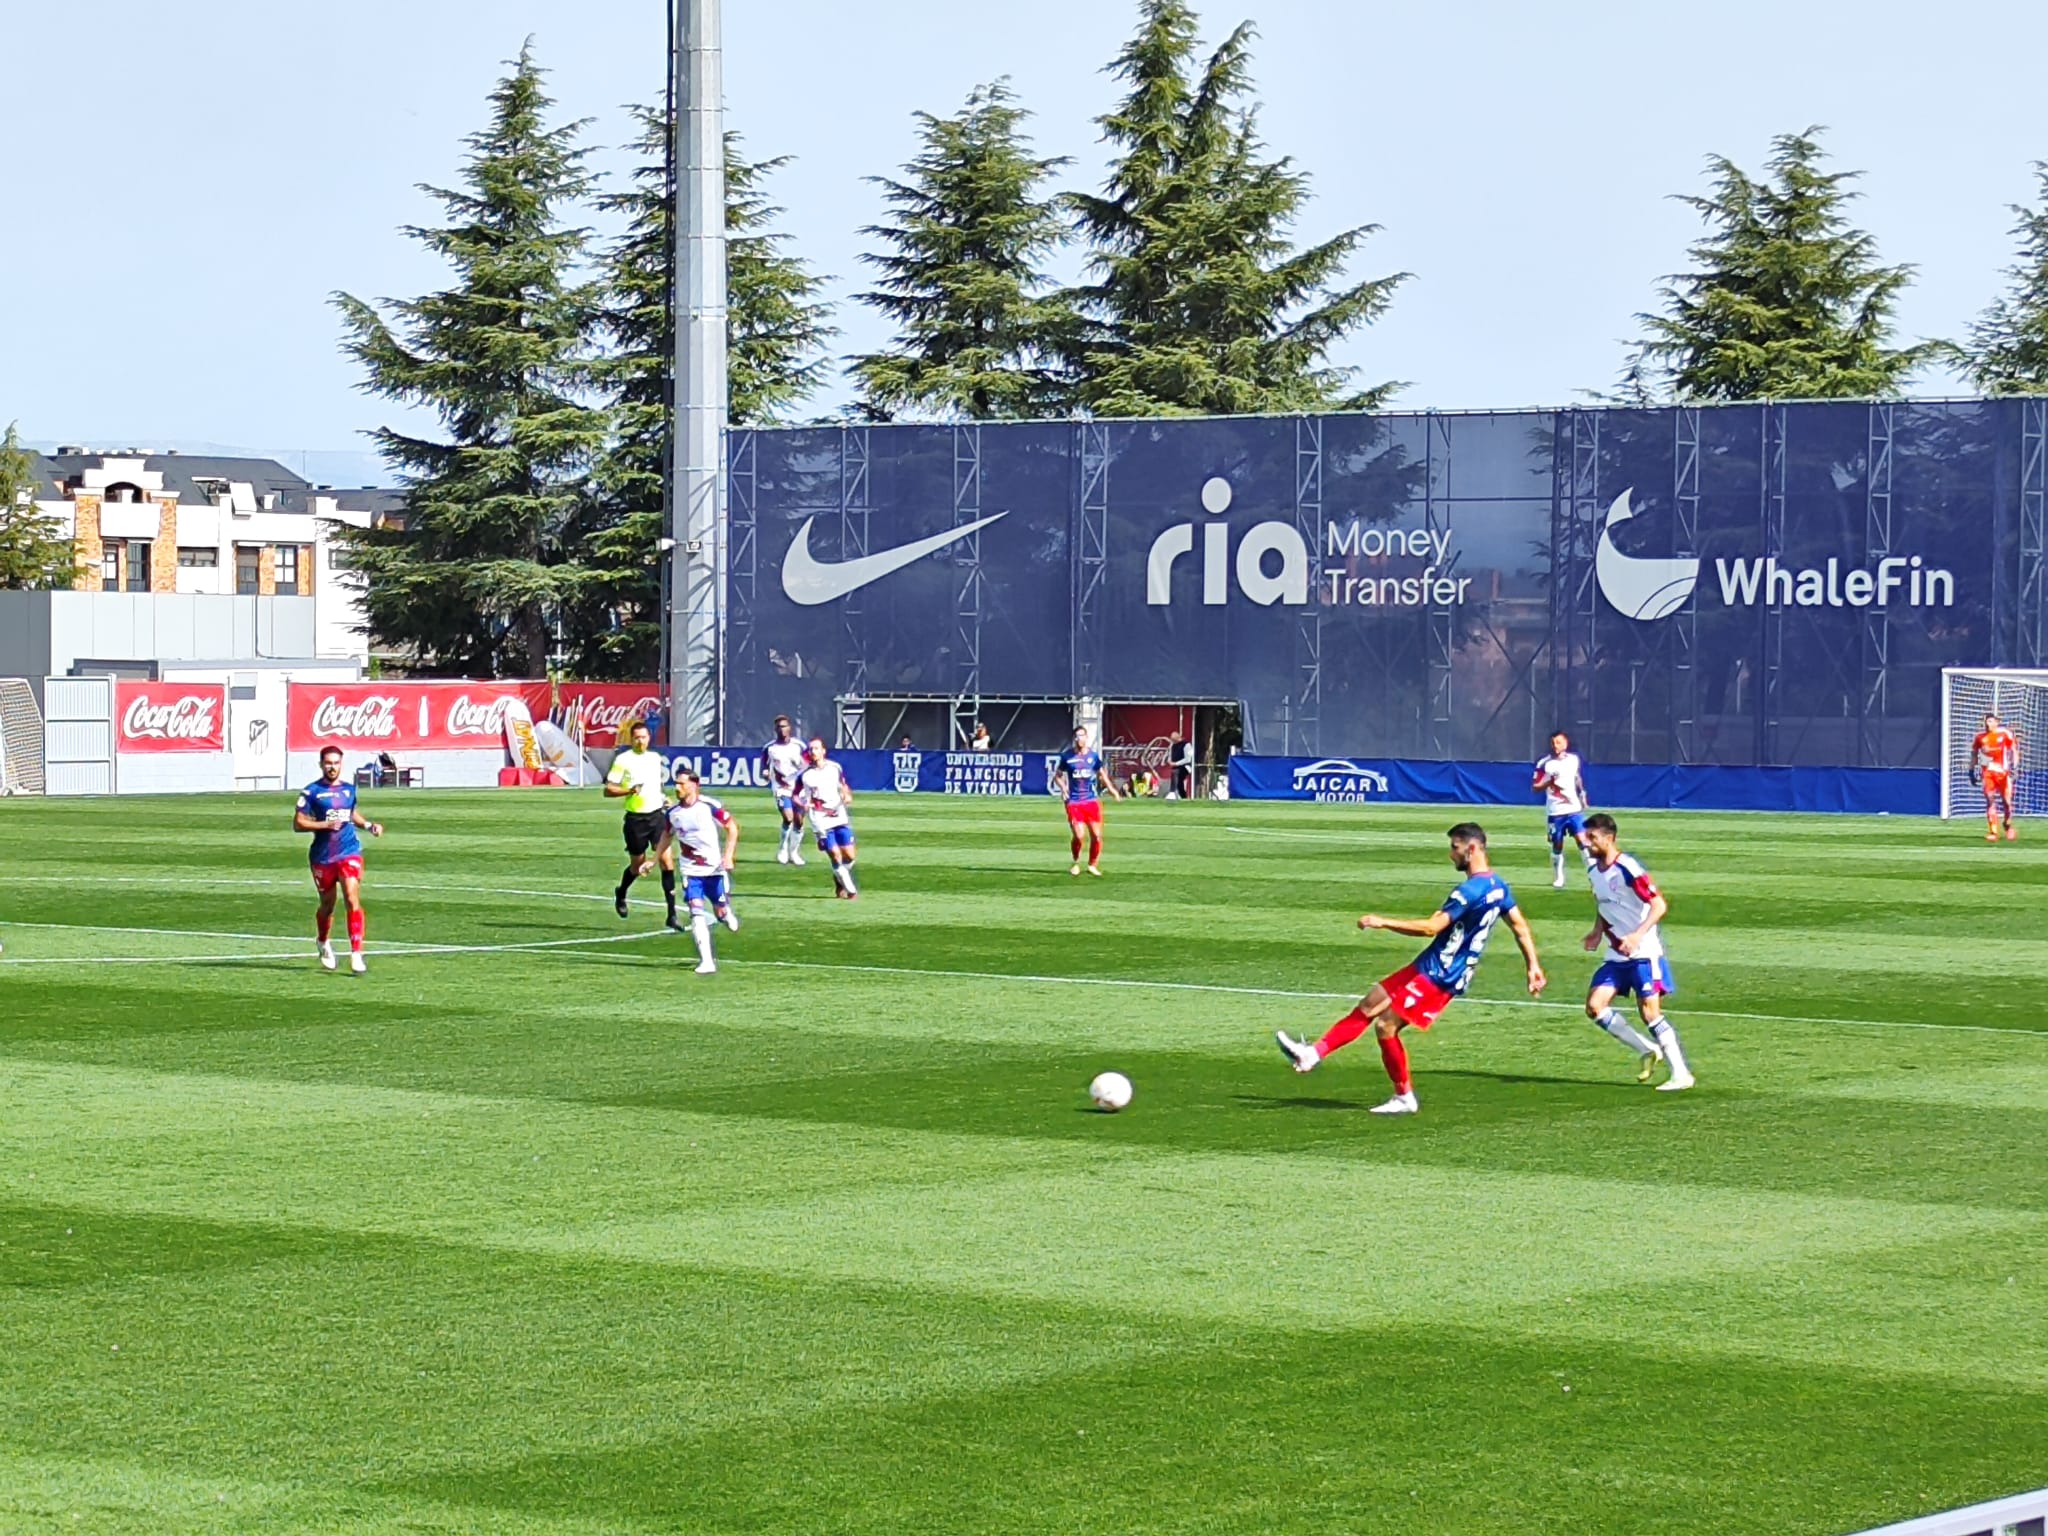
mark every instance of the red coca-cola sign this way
{"type": "Point", "coordinates": [603, 707]}
{"type": "Point", "coordinates": [398, 717]}
{"type": "Point", "coordinates": [170, 717]}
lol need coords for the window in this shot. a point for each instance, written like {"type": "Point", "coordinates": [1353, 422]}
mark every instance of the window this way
{"type": "Point", "coordinates": [110, 565]}
{"type": "Point", "coordinates": [199, 559]}
{"type": "Point", "coordinates": [138, 566]}
{"type": "Point", "coordinates": [248, 569]}
{"type": "Point", "coordinates": [285, 569]}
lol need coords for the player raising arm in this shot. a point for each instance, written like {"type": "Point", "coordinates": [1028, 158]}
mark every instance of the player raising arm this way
{"type": "Point", "coordinates": [1418, 992]}
{"type": "Point", "coordinates": [1561, 778]}
{"type": "Point", "coordinates": [693, 825]}
{"type": "Point", "coordinates": [783, 760]}
{"type": "Point", "coordinates": [327, 809]}
{"type": "Point", "coordinates": [824, 795]}
{"type": "Point", "coordinates": [1994, 764]}
{"type": "Point", "coordinates": [1629, 909]}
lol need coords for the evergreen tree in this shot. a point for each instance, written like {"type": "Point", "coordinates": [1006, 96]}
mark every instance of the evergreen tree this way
{"type": "Point", "coordinates": [2009, 344]}
{"type": "Point", "coordinates": [1789, 300]}
{"type": "Point", "coordinates": [1200, 302]}
{"type": "Point", "coordinates": [485, 559]}
{"type": "Point", "coordinates": [34, 554]}
{"type": "Point", "coordinates": [776, 328]}
{"type": "Point", "coordinates": [977, 329]}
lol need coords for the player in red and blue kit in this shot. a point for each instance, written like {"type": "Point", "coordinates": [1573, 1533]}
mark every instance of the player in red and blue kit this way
{"type": "Point", "coordinates": [327, 809]}
{"type": "Point", "coordinates": [1418, 992]}
{"type": "Point", "coordinates": [1080, 777]}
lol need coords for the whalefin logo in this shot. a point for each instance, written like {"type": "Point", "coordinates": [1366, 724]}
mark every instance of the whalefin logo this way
{"type": "Point", "coordinates": [1641, 587]}
{"type": "Point", "coordinates": [809, 581]}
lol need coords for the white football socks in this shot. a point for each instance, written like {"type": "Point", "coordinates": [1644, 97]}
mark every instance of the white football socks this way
{"type": "Point", "coordinates": [1625, 1032]}
{"type": "Point", "coordinates": [1667, 1040]}
{"type": "Point", "coordinates": [700, 930]}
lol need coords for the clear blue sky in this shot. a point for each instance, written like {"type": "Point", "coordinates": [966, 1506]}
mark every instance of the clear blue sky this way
{"type": "Point", "coordinates": [186, 184]}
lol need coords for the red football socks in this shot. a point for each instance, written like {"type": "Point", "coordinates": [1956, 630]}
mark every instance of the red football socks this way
{"type": "Point", "coordinates": [1395, 1055]}
{"type": "Point", "coordinates": [1343, 1032]}
{"type": "Point", "coordinates": [323, 925]}
{"type": "Point", "coordinates": [355, 931]}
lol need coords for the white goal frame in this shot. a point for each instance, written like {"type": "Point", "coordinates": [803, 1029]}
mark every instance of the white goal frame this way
{"type": "Point", "coordinates": [2019, 696]}
{"type": "Point", "coordinates": [2021, 1515]}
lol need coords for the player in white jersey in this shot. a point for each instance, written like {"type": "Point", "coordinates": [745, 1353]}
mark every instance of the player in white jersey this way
{"type": "Point", "coordinates": [693, 827]}
{"type": "Point", "coordinates": [823, 794]}
{"type": "Point", "coordinates": [783, 761]}
{"type": "Point", "coordinates": [1630, 907]}
{"type": "Point", "coordinates": [1562, 779]}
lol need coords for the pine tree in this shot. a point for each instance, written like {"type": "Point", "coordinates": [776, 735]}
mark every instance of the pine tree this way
{"type": "Point", "coordinates": [977, 328]}
{"type": "Point", "coordinates": [1789, 300]}
{"type": "Point", "coordinates": [1200, 302]}
{"type": "Point", "coordinates": [776, 329]}
{"type": "Point", "coordinates": [486, 558]}
{"type": "Point", "coordinates": [34, 554]}
{"type": "Point", "coordinates": [2009, 344]}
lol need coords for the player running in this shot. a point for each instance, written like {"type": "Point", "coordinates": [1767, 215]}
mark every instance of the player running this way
{"type": "Point", "coordinates": [639, 777]}
{"type": "Point", "coordinates": [1629, 909]}
{"type": "Point", "coordinates": [1079, 776]}
{"type": "Point", "coordinates": [783, 761]}
{"type": "Point", "coordinates": [693, 824]}
{"type": "Point", "coordinates": [1994, 763]}
{"type": "Point", "coordinates": [1418, 992]}
{"type": "Point", "coordinates": [1562, 778]}
{"type": "Point", "coordinates": [823, 794]}
{"type": "Point", "coordinates": [327, 809]}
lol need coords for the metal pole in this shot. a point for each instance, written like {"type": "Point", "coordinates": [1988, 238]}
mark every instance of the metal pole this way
{"type": "Point", "coordinates": [697, 564]}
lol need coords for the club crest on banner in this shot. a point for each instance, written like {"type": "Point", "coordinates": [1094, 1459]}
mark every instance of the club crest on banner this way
{"type": "Point", "coordinates": [906, 771]}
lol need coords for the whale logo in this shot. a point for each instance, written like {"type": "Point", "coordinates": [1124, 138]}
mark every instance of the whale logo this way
{"type": "Point", "coordinates": [1640, 587]}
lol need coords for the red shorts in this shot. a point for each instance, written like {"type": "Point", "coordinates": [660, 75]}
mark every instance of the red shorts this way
{"type": "Point", "coordinates": [1417, 999]}
{"type": "Point", "coordinates": [1085, 812]}
{"type": "Point", "coordinates": [1999, 784]}
{"type": "Point", "coordinates": [327, 876]}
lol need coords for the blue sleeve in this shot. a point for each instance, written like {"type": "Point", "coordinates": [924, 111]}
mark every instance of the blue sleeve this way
{"type": "Point", "coordinates": [1457, 902]}
{"type": "Point", "coordinates": [1507, 897]}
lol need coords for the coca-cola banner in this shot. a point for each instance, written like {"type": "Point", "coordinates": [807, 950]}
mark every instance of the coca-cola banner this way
{"type": "Point", "coordinates": [604, 707]}
{"type": "Point", "coordinates": [398, 717]}
{"type": "Point", "coordinates": [170, 717]}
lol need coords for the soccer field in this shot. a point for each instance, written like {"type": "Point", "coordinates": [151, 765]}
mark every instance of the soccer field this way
{"type": "Point", "coordinates": [532, 1230]}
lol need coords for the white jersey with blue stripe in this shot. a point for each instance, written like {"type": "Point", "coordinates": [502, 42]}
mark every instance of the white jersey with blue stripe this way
{"type": "Point", "coordinates": [1623, 891]}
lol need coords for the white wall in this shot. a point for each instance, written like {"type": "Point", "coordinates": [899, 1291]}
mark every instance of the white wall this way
{"type": "Point", "coordinates": [445, 770]}
{"type": "Point", "coordinates": [162, 773]}
{"type": "Point", "coordinates": [157, 626]}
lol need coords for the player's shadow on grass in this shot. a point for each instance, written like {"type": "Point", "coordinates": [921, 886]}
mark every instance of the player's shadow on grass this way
{"type": "Point", "coordinates": [1296, 1101]}
{"type": "Point", "coordinates": [1520, 1079]}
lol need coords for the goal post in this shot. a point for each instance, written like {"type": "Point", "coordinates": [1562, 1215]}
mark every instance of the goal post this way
{"type": "Point", "coordinates": [2020, 700]}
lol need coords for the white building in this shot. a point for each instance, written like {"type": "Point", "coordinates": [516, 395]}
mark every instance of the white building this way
{"type": "Point", "coordinates": [184, 523]}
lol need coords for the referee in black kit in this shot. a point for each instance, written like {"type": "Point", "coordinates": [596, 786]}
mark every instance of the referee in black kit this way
{"type": "Point", "coordinates": [639, 776]}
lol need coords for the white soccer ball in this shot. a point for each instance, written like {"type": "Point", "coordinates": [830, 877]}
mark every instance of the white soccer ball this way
{"type": "Point", "coordinates": [1111, 1092]}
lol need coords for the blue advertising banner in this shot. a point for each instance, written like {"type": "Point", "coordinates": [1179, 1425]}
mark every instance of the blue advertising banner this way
{"type": "Point", "coordinates": [1367, 781]}
{"type": "Point", "coordinates": [871, 772]}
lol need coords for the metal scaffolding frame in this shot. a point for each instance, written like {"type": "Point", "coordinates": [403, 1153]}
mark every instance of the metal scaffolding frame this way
{"type": "Point", "coordinates": [1685, 624]}
{"type": "Point", "coordinates": [1873, 697]}
{"type": "Point", "coordinates": [1771, 514]}
{"type": "Point", "coordinates": [853, 544]}
{"type": "Point", "coordinates": [1091, 554]}
{"type": "Point", "coordinates": [1442, 640]}
{"type": "Point", "coordinates": [969, 586]}
{"type": "Point", "coordinates": [2031, 598]}
{"type": "Point", "coordinates": [1574, 593]}
{"type": "Point", "coordinates": [742, 530]}
{"type": "Point", "coordinates": [1303, 730]}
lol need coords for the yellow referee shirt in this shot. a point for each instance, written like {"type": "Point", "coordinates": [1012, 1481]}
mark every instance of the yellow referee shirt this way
{"type": "Point", "coordinates": [644, 773]}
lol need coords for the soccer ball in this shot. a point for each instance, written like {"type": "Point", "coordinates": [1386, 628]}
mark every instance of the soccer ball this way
{"type": "Point", "coordinates": [1111, 1092]}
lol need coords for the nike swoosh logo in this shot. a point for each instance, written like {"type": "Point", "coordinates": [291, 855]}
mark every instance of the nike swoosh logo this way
{"type": "Point", "coordinates": [809, 581]}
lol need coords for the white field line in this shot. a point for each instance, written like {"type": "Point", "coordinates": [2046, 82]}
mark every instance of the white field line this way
{"type": "Point", "coordinates": [304, 950]}
{"type": "Point", "coordinates": [898, 970]}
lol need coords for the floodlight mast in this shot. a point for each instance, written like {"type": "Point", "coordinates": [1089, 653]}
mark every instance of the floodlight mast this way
{"type": "Point", "coordinates": [694, 678]}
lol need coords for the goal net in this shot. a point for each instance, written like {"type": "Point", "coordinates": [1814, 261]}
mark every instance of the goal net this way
{"type": "Point", "coordinates": [21, 739]}
{"type": "Point", "coordinates": [2020, 700]}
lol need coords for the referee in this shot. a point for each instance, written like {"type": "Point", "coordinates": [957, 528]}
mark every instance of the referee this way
{"type": "Point", "coordinates": [638, 776]}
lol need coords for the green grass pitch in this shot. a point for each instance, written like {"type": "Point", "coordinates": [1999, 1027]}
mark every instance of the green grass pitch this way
{"type": "Point", "coordinates": [531, 1230]}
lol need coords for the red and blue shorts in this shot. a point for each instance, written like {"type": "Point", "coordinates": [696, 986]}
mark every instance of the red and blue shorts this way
{"type": "Point", "coordinates": [1085, 813]}
{"type": "Point", "coordinates": [1417, 999]}
{"type": "Point", "coordinates": [327, 876]}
